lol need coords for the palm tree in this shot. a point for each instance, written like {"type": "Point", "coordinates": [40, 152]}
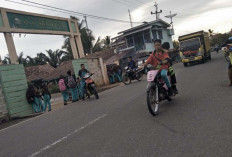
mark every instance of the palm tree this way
{"type": "Point", "coordinates": [106, 41]}
{"type": "Point", "coordinates": [22, 60]}
{"type": "Point", "coordinates": [67, 56]}
{"type": "Point", "coordinates": [54, 58]}
{"type": "Point", "coordinates": [31, 61]}
{"type": "Point", "coordinates": [210, 32]}
{"type": "Point", "coordinates": [6, 60]}
{"type": "Point", "coordinates": [87, 38]}
{"type": "Point", "coordinates": [97, 46]}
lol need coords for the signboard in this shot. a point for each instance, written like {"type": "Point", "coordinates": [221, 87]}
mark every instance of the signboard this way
{"type": "Point", "coordinates": [23, 21]}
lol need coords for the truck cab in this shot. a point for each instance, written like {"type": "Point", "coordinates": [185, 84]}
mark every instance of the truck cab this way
{"type": "Point", "coordinates": [195, 47]}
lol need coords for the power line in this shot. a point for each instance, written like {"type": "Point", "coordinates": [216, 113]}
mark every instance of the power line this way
{"type": "Point", "coordinates": [69, 11]}
{"type": "Point", "coordinates": [125, 3]}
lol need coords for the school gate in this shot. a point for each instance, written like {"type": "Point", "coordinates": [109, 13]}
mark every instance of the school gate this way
{"type": "Point", "coordinates": [13, 83]}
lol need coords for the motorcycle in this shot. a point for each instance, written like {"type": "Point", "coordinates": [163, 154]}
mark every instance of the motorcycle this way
{"type": "Point", "coordinates": [157, 91]}
{"type": "Point", "coordinates": [90, 85]}
{"type": "Point", "coordinates": [132, 75]}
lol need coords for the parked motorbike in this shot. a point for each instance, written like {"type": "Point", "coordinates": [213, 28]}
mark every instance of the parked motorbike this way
{"type": "Point", "coordinates": [90, 85]}
{"type": "Point", "coordinates": [157, 90]}
{"type": "Point", "coordinates": [132, 75]}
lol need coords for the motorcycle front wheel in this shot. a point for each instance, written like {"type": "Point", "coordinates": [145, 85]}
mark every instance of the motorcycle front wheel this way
{"type": "Point", "coordinates": [126, 79]}
{"type": "Point", "coordinates": [153, 100]}
{"type": "Point", "coordinates": [139, 76]}
{"type": "Point", "coordinates": [95, 92]}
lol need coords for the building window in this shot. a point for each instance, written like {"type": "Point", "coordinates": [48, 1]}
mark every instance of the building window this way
{"type": "Point", "coordinates": [130, 41]}
{"type": "Point", "coordinates": [139, 42]}
{"type": "Point", "coordinates": [154, 34]}
{"type": "Point", "coordinates": [160, 34]}
{"type": "Point", "coordinates": [147, 36]}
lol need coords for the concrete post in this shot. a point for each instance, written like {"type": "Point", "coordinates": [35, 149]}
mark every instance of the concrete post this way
{"type": "Point", "coordinates": [11, 48]}
{"type": "Point", "coordinates": [79, 42]}
{"type": "Point", "coordinates": [80, 46]}
{"type": "Point", "coordinates": [104, 71]}
{"type": "Point", "coordinates": [73, 47]}
{"type": "Point", "coordinates": [9, 40]}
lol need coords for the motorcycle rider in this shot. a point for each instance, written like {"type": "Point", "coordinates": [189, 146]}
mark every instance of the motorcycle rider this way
{"type": "Point", "coordinates": [229, 41]}
{"type": "Point", "coordinates": [171, 72]}
{"type": "Point", "coordinates": [81, 74]}
{"type": "Point", "coordinates": [131, 64]}
{"type": "Point", "coordinates": [159, 59]}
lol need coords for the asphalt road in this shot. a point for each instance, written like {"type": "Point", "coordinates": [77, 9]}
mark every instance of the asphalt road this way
{"type": "Point", "coordinates": [198, 122]}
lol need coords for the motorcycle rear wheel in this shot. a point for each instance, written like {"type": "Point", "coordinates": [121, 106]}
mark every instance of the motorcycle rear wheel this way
{"type": "Point", "coordinates": [126, 79]}
{"type": "Point", "coordinates": [153, 101]}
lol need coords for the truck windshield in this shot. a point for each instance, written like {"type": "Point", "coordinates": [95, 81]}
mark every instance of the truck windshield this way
{"type": "Point", "coordinates": [190, 45]}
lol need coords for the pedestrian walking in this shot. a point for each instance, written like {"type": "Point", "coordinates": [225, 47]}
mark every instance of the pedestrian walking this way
{"type": "Point", "coordinates": [47, 98]}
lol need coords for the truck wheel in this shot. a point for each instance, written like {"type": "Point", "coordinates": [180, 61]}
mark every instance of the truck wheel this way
{"type": "Point", "coordinates": [209, 57]}
{"type": "Point", "coordinates": [185, 64]}
{"type": "Point", "coordinates": [203, 59]}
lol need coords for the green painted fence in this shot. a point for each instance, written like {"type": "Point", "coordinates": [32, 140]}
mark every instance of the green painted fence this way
{"type": "Point", "coordinates": [14, 86]}
{"type": "Point", "coordinates": [3, 109]}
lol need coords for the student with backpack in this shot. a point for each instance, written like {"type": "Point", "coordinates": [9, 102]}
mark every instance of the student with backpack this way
{"type": "Point", "coordinates": [71, 82]}
{"type": "Point", "coordinates": [30, 95]}
{"type": "Point", "coordinates": [38, 101]}
{"type": "Point", "coordinates": [64, 90]}
{"type": "Point", "coordinates": [47, 98]}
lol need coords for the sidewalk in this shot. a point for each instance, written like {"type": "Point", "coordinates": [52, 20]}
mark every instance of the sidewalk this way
{"type": "Point", "coordinates": [57, 100]}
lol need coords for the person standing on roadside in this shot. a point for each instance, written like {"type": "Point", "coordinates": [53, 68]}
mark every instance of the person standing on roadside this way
{"type": "Point", "coordinates": [47, 98]}
{"type": "Point", "coordinates": [64, 89]}
{"type": "Point", "coordinates": [81, 74]}
{"type": "Point", "coordinates": [71, 82]}
{"type": "Point", "coordinates": [30, 95]}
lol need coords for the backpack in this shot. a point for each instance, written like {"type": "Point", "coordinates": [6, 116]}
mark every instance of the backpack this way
{"type": "Point", "coordinates": [71, 82]}
{"type": "Point", "coordinates": [62, 85]}
{"type": "Point", "coordinates": [30, 100]}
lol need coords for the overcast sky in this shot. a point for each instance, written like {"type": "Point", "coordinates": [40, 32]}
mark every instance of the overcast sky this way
{"type": "Point", "coordinates": [191, 16]}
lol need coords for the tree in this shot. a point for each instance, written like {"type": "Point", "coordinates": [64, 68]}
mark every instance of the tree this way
{"type": "Point", "coordinates": [6, 60]}
{"type": "Point", "coordinates": [87, 38]}
{"type": "Point", "coordinates": [219, 39]}
{"type": "Point", "coordinates": [54, 58]}
{"type": "Point", "coordinates": [22, 60]}
{"type": "Point", "coordinates": [97, 46]}
{"type": "Point", "coordinates": [175, 44]}
{"type": "Point", "coordinates": [106, 42]}
{"type": "Point", "coordinates": [210, 32]}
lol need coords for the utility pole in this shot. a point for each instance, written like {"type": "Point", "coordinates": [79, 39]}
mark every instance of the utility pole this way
{"type": "Point", "coordinates": [85, 17]}
{"type": "Point", "coordinates": [130, 18]}
{"type": "Point", "coordinates": [157, 13]}
{"type": "Point", "coordinates": [171, 16]}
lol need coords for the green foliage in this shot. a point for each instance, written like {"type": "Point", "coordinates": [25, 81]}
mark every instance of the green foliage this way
{"type": "Point", "coordinates": [219, 39]}
{"type": "Point", "coordinates": [6, 60]}
{"type": "Point", "coordinates": [54, 88]}
{"type": "Point", "coordinates": [175, 44]}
